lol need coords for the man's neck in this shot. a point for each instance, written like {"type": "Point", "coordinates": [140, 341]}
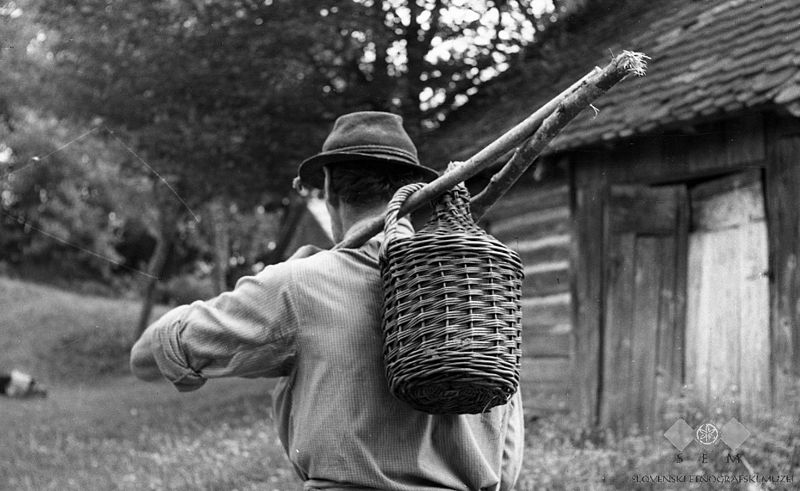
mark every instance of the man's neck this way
{"type": "Point", "coordinates": [351, 217]}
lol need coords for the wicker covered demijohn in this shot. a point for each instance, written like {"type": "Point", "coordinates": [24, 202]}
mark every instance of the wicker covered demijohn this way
{"type": "Point", "coordinates": [451, 322]}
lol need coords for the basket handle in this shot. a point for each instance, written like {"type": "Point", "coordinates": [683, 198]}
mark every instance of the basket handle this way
{"type": "Point", "coordinates": [393, 209]}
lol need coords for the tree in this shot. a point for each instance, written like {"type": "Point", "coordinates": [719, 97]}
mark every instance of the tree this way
{"type": "Point", "coordinates": [204, 93]}
{"type": "Point", "coordinates": [214, 93]}
{"type": "Point", "coordinates": [223, 99]}
{"type": "Point", "coordinates": [59, 209]}
{"type": "Point", "coordinates": [422, 58]}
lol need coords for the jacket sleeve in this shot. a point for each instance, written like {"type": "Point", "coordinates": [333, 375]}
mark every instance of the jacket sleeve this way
{"type": "Point", "coordinates": [247, 332]}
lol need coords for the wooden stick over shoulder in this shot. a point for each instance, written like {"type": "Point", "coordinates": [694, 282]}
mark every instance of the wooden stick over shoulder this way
{"type": "Point", "coordinates": [566, 106]}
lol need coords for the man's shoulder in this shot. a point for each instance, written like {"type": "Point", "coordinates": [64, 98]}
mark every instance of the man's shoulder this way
{"type": "Point", "coordinates": [324, 260]}
{"type": "Point", "coordinates": [337, 258]}
{"type": "Point", "coordinates": [325, 271]}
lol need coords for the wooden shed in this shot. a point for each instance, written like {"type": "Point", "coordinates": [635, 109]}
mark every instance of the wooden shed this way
{"type": "Point", "coordinates": [661, 236]}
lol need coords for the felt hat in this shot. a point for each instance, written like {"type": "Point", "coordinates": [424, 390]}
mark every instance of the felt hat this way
{"type": "Point", "coordinates": [365, 136]}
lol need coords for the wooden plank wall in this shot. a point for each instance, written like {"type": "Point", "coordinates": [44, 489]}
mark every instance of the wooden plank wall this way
{"type": "Point", "coordinates": [643, 237]}
{"type": "Point", "coordinates": [783, 218]}
{"type": "Point", "coordinates": [696, 151]}
{"type": "Point", "coordinates": [704, 150]}
{"type": "Point", "coordinates": [535, 221]}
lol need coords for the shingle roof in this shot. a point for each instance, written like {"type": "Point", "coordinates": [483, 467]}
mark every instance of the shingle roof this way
{"type": "Point", "coordinates": [709, 58]}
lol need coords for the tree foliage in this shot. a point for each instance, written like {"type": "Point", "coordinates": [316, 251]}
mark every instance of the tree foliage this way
{"type": "Point", "coordinates": [227, 97]}
{"type": "Point", "coordinates": [222, 99]}
{"type": "Point", "coordinates": [421, 58]}
{"type": "Point", "coordinates": [58, 212]}
{"type": "Point", "coordinates": [211, 94]}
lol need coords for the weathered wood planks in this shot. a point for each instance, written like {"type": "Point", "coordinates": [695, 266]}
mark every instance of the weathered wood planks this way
{"type": "Point", "coordinates": [642, 240]}
{"type": "Point", "coordinates": [728, 298]}
{"type": "Point", "coordinates": [535, 223]}
{"type": "Point", "coordinates": [783, 209]}
{"type": "Point", "coordinates": [588, 265]}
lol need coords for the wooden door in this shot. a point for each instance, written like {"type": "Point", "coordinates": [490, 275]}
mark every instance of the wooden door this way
{"type": "Point", "coordinates": [645, 254]}
{"type": "Point", "coordinates": [727, 331]}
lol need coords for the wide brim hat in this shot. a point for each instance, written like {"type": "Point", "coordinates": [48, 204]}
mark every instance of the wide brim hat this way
{"type": "Point", "coordinates": [365, 136]}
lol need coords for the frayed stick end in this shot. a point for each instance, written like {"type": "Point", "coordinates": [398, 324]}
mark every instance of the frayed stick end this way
{"type": "Point", "coordinates": [634, 62]}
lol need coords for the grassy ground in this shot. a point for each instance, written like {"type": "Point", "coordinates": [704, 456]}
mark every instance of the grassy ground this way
{"type": "Point", "coordinates": [100, 429]}
{"type": "Point", "coordinates": [58, 335]}
{"type": "Point", "coordinates": [123, 434]}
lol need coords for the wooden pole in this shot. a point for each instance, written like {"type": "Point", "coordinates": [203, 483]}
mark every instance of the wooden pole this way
{"type": "Point", "coordinates": [578, 96]}
{"type": "Point", "coordinates": [565, 111]}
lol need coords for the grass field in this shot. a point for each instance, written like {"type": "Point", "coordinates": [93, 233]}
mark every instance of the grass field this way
{"type": "Point", "coordinates": [122, 434]}
{"type": "Point", "coordinates": [100, 429]}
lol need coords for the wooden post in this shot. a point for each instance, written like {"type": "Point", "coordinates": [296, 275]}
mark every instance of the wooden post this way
{"type": "Point", "coordinates": [783, 181]}
{"type": "Point", "coordinates": [587, 292]}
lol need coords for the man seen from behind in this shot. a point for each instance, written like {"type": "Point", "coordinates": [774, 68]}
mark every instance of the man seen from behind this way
{"type": "Point", "coordinates": [315, 322]}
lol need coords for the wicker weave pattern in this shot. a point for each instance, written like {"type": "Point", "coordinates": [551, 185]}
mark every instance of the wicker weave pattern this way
{"type": "Point", "coordinates": [451, 311]}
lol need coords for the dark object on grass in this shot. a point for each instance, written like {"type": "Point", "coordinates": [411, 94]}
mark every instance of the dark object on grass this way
{"type": "Point", "coordinates": [19, 384]}
{"type": "Point", "coordinates": [452, 312]}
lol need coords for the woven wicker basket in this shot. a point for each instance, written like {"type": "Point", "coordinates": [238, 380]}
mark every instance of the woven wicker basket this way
{"type": "Point", "coordinates": [452, 314]}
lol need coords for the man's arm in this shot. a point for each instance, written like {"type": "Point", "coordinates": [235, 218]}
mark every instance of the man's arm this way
{"type": "Point", "coordinates": [247, 332]}
{"type": "Point", "coordinates": [143, 354]}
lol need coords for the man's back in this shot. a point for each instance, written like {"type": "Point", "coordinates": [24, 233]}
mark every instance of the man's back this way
{"type": "Point", "coordinates": [339, 423]}
{"type": "Point", "coordinates": [316, 322]}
